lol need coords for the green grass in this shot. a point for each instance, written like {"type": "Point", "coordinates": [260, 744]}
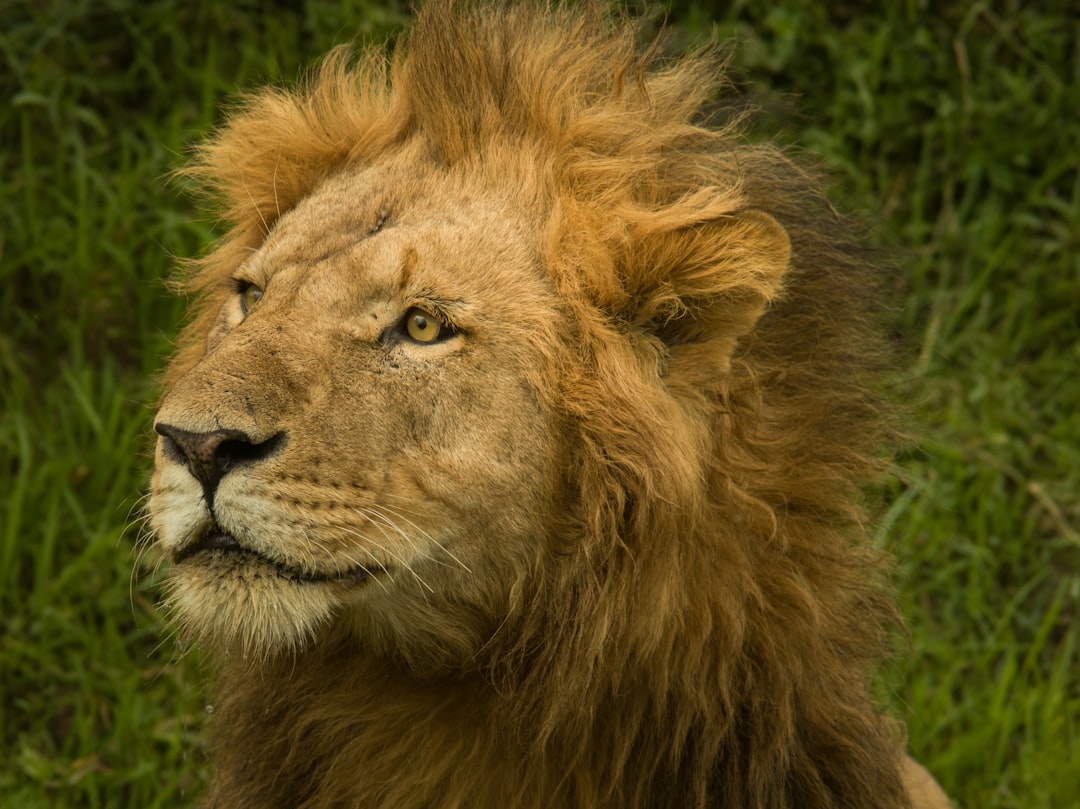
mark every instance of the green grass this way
{"type": "Point", "coordinates": [954, 132]}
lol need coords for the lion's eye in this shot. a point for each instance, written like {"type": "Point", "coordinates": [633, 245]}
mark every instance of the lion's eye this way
{"type": "Point", "coordinates": [424, 327]}
{"type": "Point", "coordinates": [249, 296]}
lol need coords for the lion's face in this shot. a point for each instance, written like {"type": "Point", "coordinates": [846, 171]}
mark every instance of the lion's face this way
{"type": "Point", "coordinates": [364, 437]}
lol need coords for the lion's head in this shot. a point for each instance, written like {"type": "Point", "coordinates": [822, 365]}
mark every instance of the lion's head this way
{"type": "Point", "coordinates": [370, 435]}
{"type": "Point", "coordinates": [514, 370]}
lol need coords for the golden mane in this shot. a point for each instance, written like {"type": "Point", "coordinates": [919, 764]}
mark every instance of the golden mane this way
{"type": "Point", "coordinates": [705, 634]}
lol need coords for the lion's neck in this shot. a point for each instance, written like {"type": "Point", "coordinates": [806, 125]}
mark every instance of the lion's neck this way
{"type": "Point", "coordinates": [338, 729]}
{"type": "Point", "coordinates": [340, 726]}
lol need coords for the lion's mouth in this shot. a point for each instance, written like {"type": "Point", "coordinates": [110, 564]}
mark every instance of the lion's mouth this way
{"type": "Point", "coordinates": [224, 545]}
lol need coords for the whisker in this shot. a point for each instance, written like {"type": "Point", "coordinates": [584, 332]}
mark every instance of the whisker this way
{"type": "Point", "coordinates": [273, 182]}
{"type": "Point", "coordinates": [357, 563]}
{"type": "Point", "coordinates": [308, 539]}
{"type": "Point", "coordinates": [266, 227]}
{"type": "Point", "coordinates": [371, 511]}
{"type": "Point", "coordinates": [400, 560]}
{"type": "Point", "coordinates": [398, 513]}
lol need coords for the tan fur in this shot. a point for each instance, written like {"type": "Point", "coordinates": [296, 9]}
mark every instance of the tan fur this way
{"type": "Point", "coordinates": [611, 522]}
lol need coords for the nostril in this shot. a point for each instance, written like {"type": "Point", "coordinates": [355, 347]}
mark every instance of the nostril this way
{"type": "Point", "coordinates": [235, 451]}
{"type": "Point", "coordinates": [209, 456]}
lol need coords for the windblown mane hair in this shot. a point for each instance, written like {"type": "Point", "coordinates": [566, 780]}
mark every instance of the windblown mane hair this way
{"type": "Point", "coordinates": [705, 634]}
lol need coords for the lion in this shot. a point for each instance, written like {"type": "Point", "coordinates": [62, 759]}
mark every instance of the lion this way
{"type": "Point", "coordinates": [512, 454]}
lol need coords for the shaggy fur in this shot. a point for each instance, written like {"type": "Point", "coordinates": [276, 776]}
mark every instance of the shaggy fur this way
{"type": "Point", "coordinates": [629, 494]}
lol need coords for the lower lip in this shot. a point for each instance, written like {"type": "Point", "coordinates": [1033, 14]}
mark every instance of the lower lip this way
{"type": "Point", "coordinates": [225, 547]}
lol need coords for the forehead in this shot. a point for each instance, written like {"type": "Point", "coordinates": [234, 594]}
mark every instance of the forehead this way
{"type": "Point", "coordinates": [382, 230]}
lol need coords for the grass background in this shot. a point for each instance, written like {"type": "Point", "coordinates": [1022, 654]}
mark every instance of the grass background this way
{"type": "Point", "coordinates": [955, 127]}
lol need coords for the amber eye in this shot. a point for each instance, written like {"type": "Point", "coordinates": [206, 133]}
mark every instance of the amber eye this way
{"type": "Point", "coordinates": [249, 296]}
{"type": "Point", "coordinates": [423, 327]}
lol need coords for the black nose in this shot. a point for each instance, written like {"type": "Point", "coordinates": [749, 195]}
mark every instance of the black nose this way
{"type": "Point", "coordinates": [210, 456]}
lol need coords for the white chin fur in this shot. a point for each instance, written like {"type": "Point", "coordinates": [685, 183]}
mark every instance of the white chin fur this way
{"type": "Point", "coordinates": [247, 609]}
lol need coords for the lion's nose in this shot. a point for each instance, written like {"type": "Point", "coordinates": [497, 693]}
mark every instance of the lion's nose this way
{"type": "Point", "coordinates": [210, 456]}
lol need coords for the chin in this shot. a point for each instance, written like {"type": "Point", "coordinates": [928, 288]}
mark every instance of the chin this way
{"type": "Point", "coordinates": [240, 604]}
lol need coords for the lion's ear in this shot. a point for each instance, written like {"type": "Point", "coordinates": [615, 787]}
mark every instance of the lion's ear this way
{"type": "Point", "coordinates": [712, 283]}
